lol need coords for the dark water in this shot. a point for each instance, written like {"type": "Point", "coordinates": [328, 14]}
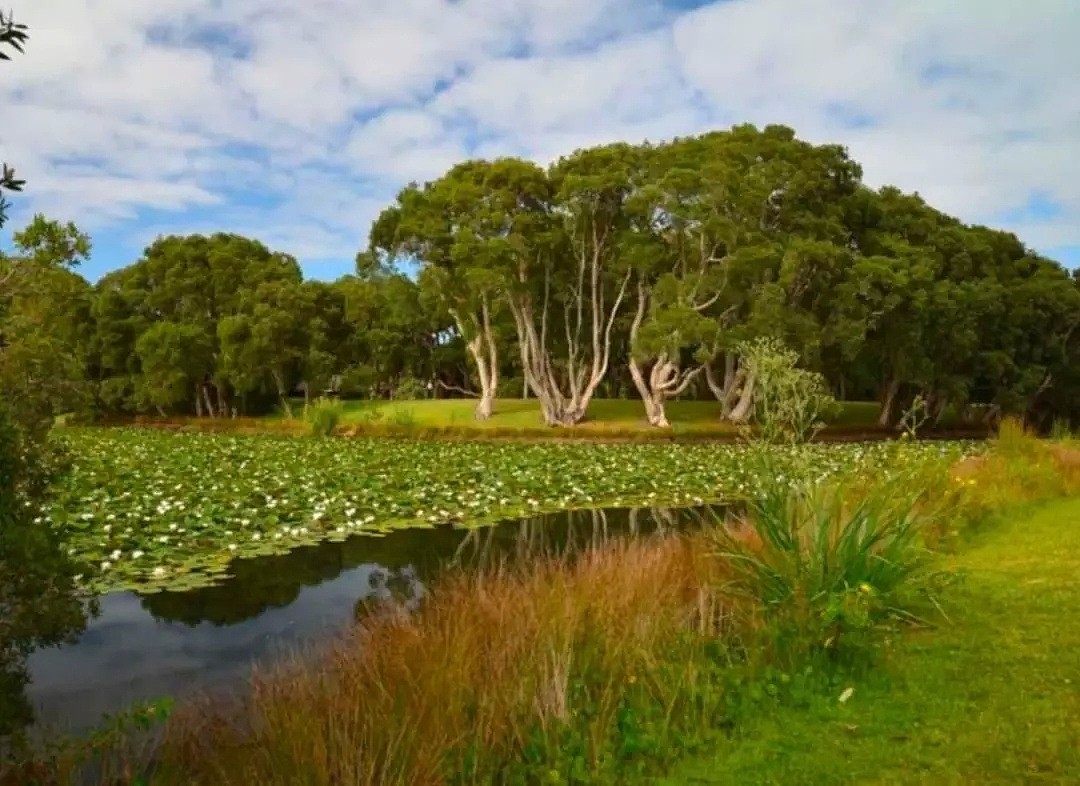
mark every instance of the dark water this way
{"type": "Point", "coordinates": [138, 648]}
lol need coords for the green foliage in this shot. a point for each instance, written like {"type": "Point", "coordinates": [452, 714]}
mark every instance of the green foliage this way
{"type": "Point", "coordinates": [986, 696]}
{"type": "Point", "coordinates": [39, 598]}
{"type": "Point", "coordinates": [410, 388]}
{"type": "Point", "coordinates": [790, 404]}
{"type": "Point", "coordinates": [323, 416]}
{"type": "Point", "coordinates": [646, 264]}
{"type": "Point", "coordinates": [175, 524]}
{"type": "Point", "coordinates": [12, 35]}
{"type": "Point", "coordinates": [823, 567]}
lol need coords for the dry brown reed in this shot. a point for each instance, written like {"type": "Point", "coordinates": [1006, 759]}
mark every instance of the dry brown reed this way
{"type": "Point", "coordinates": [489, 663]}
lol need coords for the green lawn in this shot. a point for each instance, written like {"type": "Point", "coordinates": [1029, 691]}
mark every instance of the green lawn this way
{"type": "Point", "coordinates": [992, 697]}
{"type": "Point", "coordinates": [605, 416]}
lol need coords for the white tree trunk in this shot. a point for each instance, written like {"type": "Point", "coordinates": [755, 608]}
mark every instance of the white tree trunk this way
{"type": "Point", "coordinates": [485, 355]}
{"type": "Point", "coordinates": [564, 394]}
{"type": "Point", "coordinates": [887, 403]}
{"type": "Point", "coordinates": [745, 407]}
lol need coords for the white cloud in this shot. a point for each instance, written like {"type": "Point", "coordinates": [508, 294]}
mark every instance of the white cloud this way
{"type": "Point", "coordinates": [297, 121]}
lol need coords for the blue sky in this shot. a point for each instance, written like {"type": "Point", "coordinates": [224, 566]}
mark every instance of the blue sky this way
{"type": "Point", "coordinates": [296, 121]}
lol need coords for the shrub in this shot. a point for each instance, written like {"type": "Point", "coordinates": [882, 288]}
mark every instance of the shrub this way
{"type": "Point", "coordinates": [323, 416]}
{"type": "Point", "coordinates": [410, 388]}
{"type": "Point", "coordinates": [790, 404]}
{"type": "Point", "coordinates": [821, 565]}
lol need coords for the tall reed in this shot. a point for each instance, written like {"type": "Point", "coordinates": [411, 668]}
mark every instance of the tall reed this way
{"type": "Point", "coordinates": [511, 675]}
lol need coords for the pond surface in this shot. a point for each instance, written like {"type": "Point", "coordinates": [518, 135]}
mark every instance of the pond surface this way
{"type": "Point", "coordinates": [142, 647]}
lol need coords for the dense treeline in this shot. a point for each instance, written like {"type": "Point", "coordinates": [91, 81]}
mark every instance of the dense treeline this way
{"type": "Point", "coordinates": [622, 270]}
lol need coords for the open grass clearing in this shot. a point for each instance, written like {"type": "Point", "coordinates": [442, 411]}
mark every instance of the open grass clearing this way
{"type": "Point", "coordinates": [990, 696]}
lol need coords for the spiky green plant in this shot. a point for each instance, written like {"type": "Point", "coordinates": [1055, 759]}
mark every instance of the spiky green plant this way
{"type": "Point", "coordinates": [822, 564]}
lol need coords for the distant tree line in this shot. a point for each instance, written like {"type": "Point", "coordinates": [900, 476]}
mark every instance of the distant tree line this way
{"type": "Point", "coordinates": [621, 270]}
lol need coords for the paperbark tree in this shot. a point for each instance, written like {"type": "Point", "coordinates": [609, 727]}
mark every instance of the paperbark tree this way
{"type": "Point", "coordinates": [566, 295]}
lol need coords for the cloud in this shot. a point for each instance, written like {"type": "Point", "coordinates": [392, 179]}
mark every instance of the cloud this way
{"type": "Point", "coordinates": [297, 122]}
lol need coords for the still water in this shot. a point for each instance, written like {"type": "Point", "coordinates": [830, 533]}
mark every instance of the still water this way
{"type": "Point", "coordinates": [142, 647]}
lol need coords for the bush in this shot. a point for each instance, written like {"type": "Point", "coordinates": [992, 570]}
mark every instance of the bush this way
{"type": "Point", "coordinates": [790, 404]}
{"type": "Point", "coordinates": [821, 566]}
{"type": "Point", "coordinates": [410, 388]}
{"type": "Point", "coordinates": [323, 416]}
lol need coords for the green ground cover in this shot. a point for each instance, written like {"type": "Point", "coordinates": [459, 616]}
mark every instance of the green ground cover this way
{"type": "Point", "coordinates": [992, 695]}
{"type": "Point", "coordinates": [147, 509]}
{"type": "Point", "coordinates": [618, 416]}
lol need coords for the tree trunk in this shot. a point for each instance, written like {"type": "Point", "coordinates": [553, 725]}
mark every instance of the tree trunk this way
{"type": "Point", "coordinates": [485, 355]}
{"type": "Point", "coordinates": [939, 408]}
{"type": "Point", "coordinates": [887, 402]}
{"type": "Point", "coordinates": [280, 383]}
{"type": "Point", "coordinates": [745, 407]}
{"type": "Point", "coordinates": [198, 403]}
{"type": "Point", "coordinates": [655, 411]}
{"type": "Point", "coordinates": [726, 393]}
{"type": "Point", "coordinates": [565, 389]}
{"type": "Point", "coordinates": [209, 403]}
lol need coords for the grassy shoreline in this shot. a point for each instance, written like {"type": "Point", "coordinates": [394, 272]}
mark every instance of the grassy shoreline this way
{"type": "Point", "coordinates": [763, 653]}
{"type": "Point", "coordinates": [609, 420]}
{"type": "Point", "coordinates": [991, 695]}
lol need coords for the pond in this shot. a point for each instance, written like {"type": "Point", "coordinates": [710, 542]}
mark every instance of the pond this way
{"type": "Point", "coordinates": [141, 647]}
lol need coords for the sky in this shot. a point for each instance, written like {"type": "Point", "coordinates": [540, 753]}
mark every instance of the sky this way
{"type": "Point", "coordinates": [297, 121]}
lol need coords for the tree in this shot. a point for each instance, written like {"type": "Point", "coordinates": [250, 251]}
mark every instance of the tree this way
{"type": "Point", "coordinates": [472, 231]}
{"type": "Point", "coordinates": [175, 359]}
{"type": "Point", "coordinates": [267, 340]}
{"type": "Point", "coordinates": [44, 313]}
{"type": "Point", "coordinates": [13, 36]}
{"type": "Point", "coordinates": [570, 285]}
{"type": "Point", "coordinates": [191, 284]}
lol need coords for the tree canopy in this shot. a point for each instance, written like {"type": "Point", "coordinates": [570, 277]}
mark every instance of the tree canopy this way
{"type": "Point", "coordinates": [618, 270]}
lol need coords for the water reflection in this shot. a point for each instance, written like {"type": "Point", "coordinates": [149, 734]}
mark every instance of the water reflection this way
{"type": "Point", "coordinates": [39, 607]}
{"type": "Point", "coordinates": [143, 647]}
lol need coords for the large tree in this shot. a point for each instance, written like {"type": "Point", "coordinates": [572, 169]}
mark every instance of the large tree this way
{"type": "Point", "coordinates": [12, 36]}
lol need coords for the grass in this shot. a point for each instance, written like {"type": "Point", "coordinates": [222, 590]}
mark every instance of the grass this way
{"type": "Point", "coordinates": [147, 509]}
{"type": "Point", "coordinates": [990, 696]}
{"type": "Point", "coordinates": [636, 657]}
{"type": "Point", "coordinates": [538, 675]}
{"type": "Point", "coordinates": [608, 419]}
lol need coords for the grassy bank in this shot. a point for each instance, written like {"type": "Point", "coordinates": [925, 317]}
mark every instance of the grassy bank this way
{"type": "Point", "coordinates": [822, 613]}
{"type": "Point", "coordinates": [992, 695]}
{"type": "Point", "coordinates": [608, 419]}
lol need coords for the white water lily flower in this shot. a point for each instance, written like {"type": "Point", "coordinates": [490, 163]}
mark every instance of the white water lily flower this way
{"type": "Point", "coordinates": [232, 547]}
{"type": "Point", "coordinates": [159, 572]}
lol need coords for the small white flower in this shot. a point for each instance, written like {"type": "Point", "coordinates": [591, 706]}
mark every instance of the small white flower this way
{"type": "Point", "coordinates": [116, 554]}
{"type": "Point", "coordinates": [136, 554]}
{"type": "Point", "coordinates": [232, 547]}
{"type": "Point", "coordinates": [106, 565]}
{"type": "Point", "coordinates": [847, 694]}
{"type": "Point", "coordinates": [159, 572]}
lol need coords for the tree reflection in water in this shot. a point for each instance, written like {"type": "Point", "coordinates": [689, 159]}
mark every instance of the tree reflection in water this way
{"type": "Point", "coordinates": [40, 605]}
